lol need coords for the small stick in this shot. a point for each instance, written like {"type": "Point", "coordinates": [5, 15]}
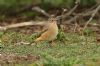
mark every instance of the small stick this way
{"type": "Point", "coordinates": [41, 11]}
{"type": "Point", "coordinates": [93, 14]}
{"type": "Point", "coordinates": [83, 14]}
{"type": "Point", "coordinates": [21, 25]}
{"type": "Point", "coordinates": [72, 10]}
{"type": "Point", "coordinates": [70, 20]}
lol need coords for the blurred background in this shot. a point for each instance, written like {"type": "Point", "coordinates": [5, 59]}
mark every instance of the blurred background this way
{"type": "Point", "coordinates": [22, 9]}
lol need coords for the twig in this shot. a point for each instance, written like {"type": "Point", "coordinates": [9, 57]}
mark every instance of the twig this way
{"type": "Point", "coordinates": [88, 12]}
{"type": "Point", "coordinates": [72, 10]}
{"type": "Point", "coordinates": [93, 14]}
{"type": "Point", "coordinates": [21, 25]}
{"type": "Point", "coordinates": [83, 14]}
{"type": "Point", "coordinates": [41, 11]}
{"type": "Point", "coordinates": [76, 25]}
{"type": "Point", "coordinates": [90, 9]}
{"type": "Point", "coordinates": [70, 20]}
{"type": "Point", "coordinates": [63, 16]}
{"type": "Point", "coordinates": [78, 15]}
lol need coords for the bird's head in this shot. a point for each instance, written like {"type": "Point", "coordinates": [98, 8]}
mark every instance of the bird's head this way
{"type": "Point", "coordinates": [53, 19]}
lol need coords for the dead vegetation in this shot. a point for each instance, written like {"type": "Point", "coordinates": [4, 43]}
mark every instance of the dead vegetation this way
{"type": "Point", "coordinates": [69, 19]}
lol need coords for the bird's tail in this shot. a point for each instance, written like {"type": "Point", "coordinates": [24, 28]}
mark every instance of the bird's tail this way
{"type": "Point", "coordinates": [37, 40]}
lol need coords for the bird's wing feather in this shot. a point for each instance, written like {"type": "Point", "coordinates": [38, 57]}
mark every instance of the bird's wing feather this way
{"type": "Point", "coordinates": [45, 28]}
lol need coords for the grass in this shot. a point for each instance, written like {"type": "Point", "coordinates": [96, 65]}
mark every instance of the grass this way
{"type": "Point", "coordinates": [75, 50]}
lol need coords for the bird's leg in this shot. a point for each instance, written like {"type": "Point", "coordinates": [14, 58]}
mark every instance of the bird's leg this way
{"type": "Point", "coordinates": [51, 43]}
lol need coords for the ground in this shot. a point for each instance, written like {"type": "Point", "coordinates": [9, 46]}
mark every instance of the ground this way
{"type": "Point", "coordinates": [71, 50]}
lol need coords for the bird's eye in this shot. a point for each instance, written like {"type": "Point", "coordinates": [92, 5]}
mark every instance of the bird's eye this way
{"type": "Point", "coordinates": [51, 21]}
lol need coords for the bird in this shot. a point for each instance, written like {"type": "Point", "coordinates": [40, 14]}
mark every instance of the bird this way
{"type": "Point", "coordinates": [50, 31]}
